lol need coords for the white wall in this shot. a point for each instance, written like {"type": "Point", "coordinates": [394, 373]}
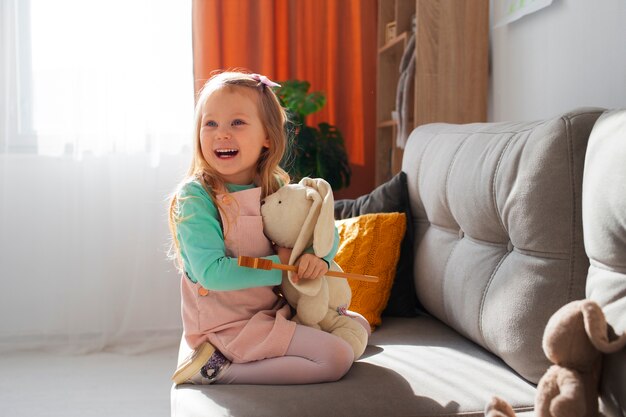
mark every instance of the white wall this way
{"type": "Point", "coordinates": [568, 55]}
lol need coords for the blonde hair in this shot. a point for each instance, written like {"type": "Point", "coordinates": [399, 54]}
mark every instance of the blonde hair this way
{"type": "Point", "coordinates": [269, 175]}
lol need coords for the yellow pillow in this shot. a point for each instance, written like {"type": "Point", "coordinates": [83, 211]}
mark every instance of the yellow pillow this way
{"type": "Point", "coordinates": [370, 244]}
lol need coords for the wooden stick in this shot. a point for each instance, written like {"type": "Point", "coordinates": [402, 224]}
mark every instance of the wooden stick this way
{"type": "Point", "coordinates": [259, 263]}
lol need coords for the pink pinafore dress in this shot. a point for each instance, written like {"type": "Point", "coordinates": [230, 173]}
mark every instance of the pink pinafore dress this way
{"type": "Point", "coordinates": [245, 325]}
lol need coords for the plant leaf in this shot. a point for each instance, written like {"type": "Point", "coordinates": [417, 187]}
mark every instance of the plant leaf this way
{"type": "Point", "coordinates": [313, 151]}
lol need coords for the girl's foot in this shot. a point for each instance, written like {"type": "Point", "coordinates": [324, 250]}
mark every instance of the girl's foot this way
{"type": "Point", "coordinates": [209, 373]}
{"type": "Point", "coordinates": [201, 367]}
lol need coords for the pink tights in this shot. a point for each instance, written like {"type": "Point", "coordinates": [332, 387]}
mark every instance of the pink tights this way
{"type": "Point", "coordinates": [312, 356]}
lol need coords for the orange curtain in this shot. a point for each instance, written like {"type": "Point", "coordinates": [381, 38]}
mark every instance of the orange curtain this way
{"type": "Point", "coordinates": [330, 43]}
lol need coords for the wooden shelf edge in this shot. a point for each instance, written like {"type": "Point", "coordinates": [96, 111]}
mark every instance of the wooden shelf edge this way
{"type": "Point", "coordinates": [398, 39]}
{"type": "Point", "coordinates": [387, 123]}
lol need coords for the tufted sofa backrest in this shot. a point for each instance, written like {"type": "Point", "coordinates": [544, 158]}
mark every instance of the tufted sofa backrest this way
{"type": "Point", "coordinates": [498, 228]}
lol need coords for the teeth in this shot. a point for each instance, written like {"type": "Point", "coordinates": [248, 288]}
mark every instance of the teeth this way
{"type": "Point", "coordinates": [226, 153]}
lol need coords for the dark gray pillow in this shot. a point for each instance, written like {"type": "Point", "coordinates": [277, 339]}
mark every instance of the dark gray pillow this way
{"type": "Point", "coordinates": [389, 197]}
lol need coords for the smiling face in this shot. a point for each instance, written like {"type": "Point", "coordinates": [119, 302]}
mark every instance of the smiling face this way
{"type": "Point", "coordinates": [232, 135]}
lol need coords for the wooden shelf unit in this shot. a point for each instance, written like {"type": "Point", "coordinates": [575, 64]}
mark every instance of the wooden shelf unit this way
{"type": "Point", "coordinates": [451, 72]}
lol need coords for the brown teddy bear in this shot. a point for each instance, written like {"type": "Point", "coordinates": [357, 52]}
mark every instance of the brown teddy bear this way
{"type": "Point", "coordinates": [574, 340]}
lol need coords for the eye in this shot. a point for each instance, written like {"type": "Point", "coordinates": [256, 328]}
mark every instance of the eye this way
{"type": "Point", "coordinates": [279, 202]}
{"type": "Point", "coordinates": [211, 123]}
{"type": "Point", "coordinates": [238, 122]}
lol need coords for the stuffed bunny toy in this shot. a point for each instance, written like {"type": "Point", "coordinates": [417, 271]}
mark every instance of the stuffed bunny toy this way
{"type": "Point", "coordinates": [299, 216]}
{"type": "Point", "coordinates": [574, 340]}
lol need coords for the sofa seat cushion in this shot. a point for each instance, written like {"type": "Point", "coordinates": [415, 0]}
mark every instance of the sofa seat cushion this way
{"type": "Point", "coordinates": [498, 228]}
{"type": "Point", "coordinates": [412, 367]}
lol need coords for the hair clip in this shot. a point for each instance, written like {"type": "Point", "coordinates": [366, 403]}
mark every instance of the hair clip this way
{"type": "Point", "coordinates": [264, 80]}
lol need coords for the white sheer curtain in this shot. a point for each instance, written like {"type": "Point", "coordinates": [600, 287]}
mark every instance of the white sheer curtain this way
{"type": "Point", "coordinates": [96, 103]}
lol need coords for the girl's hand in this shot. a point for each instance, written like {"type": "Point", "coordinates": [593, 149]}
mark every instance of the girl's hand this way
{"type": "Point", "coordinates": [309, 267]}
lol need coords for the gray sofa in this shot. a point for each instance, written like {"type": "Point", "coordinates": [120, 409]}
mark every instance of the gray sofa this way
{"type": "Point", "coordinates": [498, 212]}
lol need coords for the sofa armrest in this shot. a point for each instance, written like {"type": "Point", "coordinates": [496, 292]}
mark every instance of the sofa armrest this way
{"type": "Point", "coordinates": [604, 225]}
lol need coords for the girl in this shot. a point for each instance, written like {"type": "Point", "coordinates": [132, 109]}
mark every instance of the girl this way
{"type": "Point", "coordinates": [236, 324]}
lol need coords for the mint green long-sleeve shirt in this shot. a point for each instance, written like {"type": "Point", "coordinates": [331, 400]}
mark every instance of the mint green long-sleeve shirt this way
{"type": "Point", "coordinates": [203, 250]}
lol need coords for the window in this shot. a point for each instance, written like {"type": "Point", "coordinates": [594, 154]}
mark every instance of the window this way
{"type": "Point", "coordinates": [95, 77]}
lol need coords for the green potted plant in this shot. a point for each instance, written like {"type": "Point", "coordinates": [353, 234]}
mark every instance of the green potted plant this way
{"type": "Point", "coordinates": [317, 152]}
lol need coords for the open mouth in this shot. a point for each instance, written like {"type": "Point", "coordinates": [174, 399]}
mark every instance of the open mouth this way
{"type": "Point", "coordinates": [226, 153]}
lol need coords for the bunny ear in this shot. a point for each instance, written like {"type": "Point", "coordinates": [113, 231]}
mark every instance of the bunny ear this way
{"type": "Point", "coordinates": [307, 232]}
{"type": "Point", "coordinates": [307, 286]}
{"type": "Point", "coordinates": [324, 233]}
{"type": "Point", "coordinates": [597, 329]}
